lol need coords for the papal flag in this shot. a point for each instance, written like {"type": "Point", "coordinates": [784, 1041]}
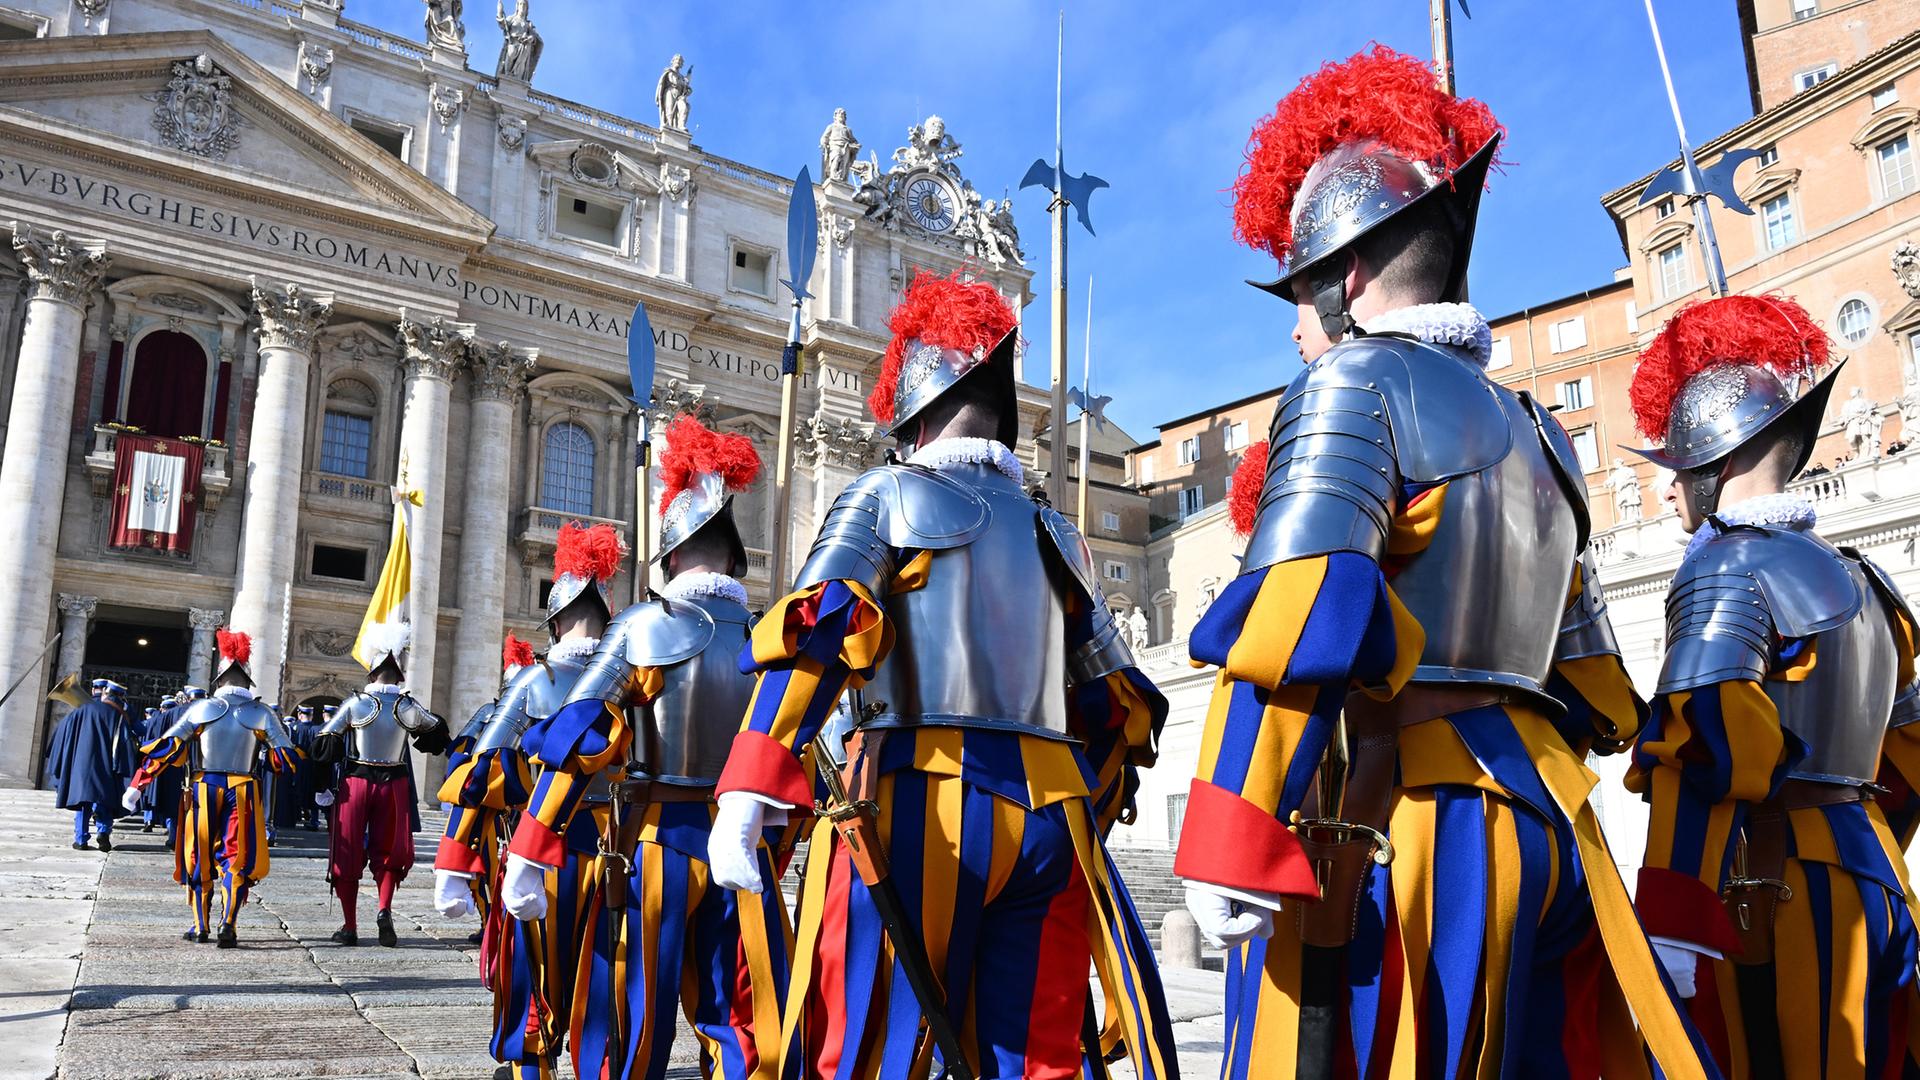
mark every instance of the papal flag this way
{"type": "Point", "coordinates": [156, 484]}
{"type": "Point", "coordinates": [389, 603]}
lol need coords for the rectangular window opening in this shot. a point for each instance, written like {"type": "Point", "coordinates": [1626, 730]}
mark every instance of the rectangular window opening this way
{"type": "Point", "coordinates": [1189, 449]}
{"type": "Point", "coordinates": [386, 136]}
{"type": "Point", "coordinates": [1776, 216]}
{"type": "Point", "coordinates": [1114, 571]}
{"type": "Point", "coordinates": [1896, 166]}
{"type": "Point", "coordinates": [1502, 354]}
{"type": "Point", "coordinates": [1807, 80]}
{"type": "Point", "coordinates": [587, 219]}
{"type": "Point", "coordinates": [1110, 521]}
{"type": "Point", "coordinates": [1673, 271]}
{"type": "Point", "coordinates": [1586, 447]}
{"type": "Point", "coordinates": [1577, 393]}
{"type": "Point", "coordinates": [1885, 96]}
{"type": "Point", "coordinates": [1568, 334]}
{"type": "Point", "coordinates": [346, 444]}
{"type": "Point", "coordinates": [342, 563]}
{"type": "Point", "coordinates": [1191, 502]}
{"type": "Point", "coordinates": [751, 272]}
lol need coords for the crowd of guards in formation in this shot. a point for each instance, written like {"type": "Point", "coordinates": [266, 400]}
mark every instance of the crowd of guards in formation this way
{"type": "Point", "coordinates": [940, 724]}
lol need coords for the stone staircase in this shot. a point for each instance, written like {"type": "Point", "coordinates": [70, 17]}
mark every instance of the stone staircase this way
{"type": "Point", "coordinates": [1148, 873]}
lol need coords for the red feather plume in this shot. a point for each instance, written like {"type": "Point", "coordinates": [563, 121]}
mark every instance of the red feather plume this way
{"type": "Point", "coordinates": [694, 450]}
{"type": "Point", "coordinates": [950, 312]}
{"type": "Point", "coordinates": [1374, 94]}
{"type": "Point", "coordinates": [1771, 331]}
{"type": "Point", "coordinates": [1248, 478]}
{"type": "Point", "coordinates": [515, 653]}
{"type": "Point", "coordinates": [234, 645]}
{"type": "Point", "coordinates": [589, 553]}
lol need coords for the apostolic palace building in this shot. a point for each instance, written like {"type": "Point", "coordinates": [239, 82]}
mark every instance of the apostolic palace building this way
{"type": "Point", "coordinates": [266, 264]}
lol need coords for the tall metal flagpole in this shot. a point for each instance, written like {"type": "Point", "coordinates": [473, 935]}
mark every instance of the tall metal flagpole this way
{"type": "Point", "coordinates": [1441, 23]}
{"type": "Point", "coordinates": [1086, 422]}
{"type": "Point", "coordinates": [1691, 182]}
{"type": "Point", "coordinates": [1068, 191]}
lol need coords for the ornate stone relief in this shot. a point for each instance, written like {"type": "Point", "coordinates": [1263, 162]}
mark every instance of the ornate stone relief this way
{"type": "Point", "coordinates": [592, 163]}
{"type": "Point", "coordinates": [498, 371]}
{"type": "Point", "coordinates": [513, 131]}
{"type": "Point", "coordinates": [448, 102]}
{"type": "Point", "coordinates": [289, 316]}
{"type": "Point", "coordinates": [176, 301]}
{"type": "Point", "coordinates": [195, 112]}
{"type": "Point", "coordinates": [57, 267]}
{"type": "Point", "coordinates": [75, 604]}
{"type": "Point", "coordinates": [316, 66]}
{"type": "Point", "coordinates": [91, 9]}
{"type": "Point", "coordinates": [1906, 268]}
{"type": "Point", "coordinates": [846, 442]}
{"type": "Point", "coordinates": [678, 397]}
{"type": "Point", "coordinates": [435, 348]}
{"type": "Point", "coordinates": [676, 182]}
{"type": "Point", "coordinates": [924, 194]}
{"type": "Point", "coordinates": [206, 618]}
{"type": "Point", "coordinates": [836, 230]}
{"type": "Point", "coordinates": [322, 642]}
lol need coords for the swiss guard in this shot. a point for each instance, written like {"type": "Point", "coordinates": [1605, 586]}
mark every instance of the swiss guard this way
{"type": "Point", "coordinates": [466, 867]}
{"type": "Point", "coordinates": [1390, 829]}
{"type": "Point", "coordinates": [221, 844]}
{"type": "Point", "coordinates": [162, 802]}
{"type": "Point", "coordinates": [532, 966]}
{"type": "Point", "coordinates": [373, 820]}
{"type": "Point", "coordinates": [90, 761]}
{"type": "Point", "coordinates": [1776, 894]}
{"type": "Point", "coordinates": [1000, 722]}
{"type": "Point", "coordinates": [649, 723]}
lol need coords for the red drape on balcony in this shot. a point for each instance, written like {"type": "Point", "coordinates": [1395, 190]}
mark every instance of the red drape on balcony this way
{"type": "Point", "coordinates": [168, 392]}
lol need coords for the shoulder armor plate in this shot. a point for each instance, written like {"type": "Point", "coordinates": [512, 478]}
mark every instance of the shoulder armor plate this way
{"type": "Point", "coordinates": [1072, 547]}
{"type": "Point", "coordinates": [661, 632]}
{"type": "Point", "coordinates": [1882, 583]}
{"type": "Point", "coordinates": [1566, 464]}
{"type": "Point", "coordinates": [887, 508]}
{"type": "Point", "coordinates": [1444, 411]}
{"type": "Point", "coordinates": [204, 712]}
{"type": "Point", "coordinates": [367, 707]}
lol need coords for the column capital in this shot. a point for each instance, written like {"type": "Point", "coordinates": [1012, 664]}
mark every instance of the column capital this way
{"type": "Point", "coordinates": [58, 266]}
{"type": "Point", "coordinates": [206, 618]}
{"type": "Point", "coordinates": [848, 443]}
{"type": "Point", "coordinates": [289, 315]}
{"type": "Point", "coordinates": [76, 604]}
{"type": "Point", "coordinates": [499, 372]}
{"type": "Point", "coordinates": [435, 348]}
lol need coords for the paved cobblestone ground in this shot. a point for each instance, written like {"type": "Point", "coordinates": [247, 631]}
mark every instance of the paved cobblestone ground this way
{"type": "Point", "coordinates": [95, 983]}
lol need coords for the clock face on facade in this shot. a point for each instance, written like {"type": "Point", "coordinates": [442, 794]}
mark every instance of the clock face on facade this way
{"type": "Point", "coordinates": [932, 204]}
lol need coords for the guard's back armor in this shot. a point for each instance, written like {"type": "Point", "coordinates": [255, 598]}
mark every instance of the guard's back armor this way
{"type": "Point", "coordinates": [226, 733]}
{"type": "Point", "coordinates": [983, 642]}
{"type": "Point", "coordinates": [1749, 591]}
{"type": "Point", "coordinates": [377, 723]}
{"type": "Point", "coordinates": [1379, 421]}
{"type": "Point", "coordinates": [684, 734]}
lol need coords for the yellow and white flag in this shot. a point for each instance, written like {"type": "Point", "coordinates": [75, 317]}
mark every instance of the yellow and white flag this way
{"type": "Point", "coordinates": [389, 603]}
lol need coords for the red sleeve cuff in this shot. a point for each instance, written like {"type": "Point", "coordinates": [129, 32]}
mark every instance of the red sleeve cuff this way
{"type": "Point", "coordinates": [1227, 840]}
{"type": "Point", "coordinates": [537, 843]}
{"type": "Point", "coordinates": [764, 766]}
{"type": "Point", "coordinates": [454, 855]}
{"type": "Point", "coordinates": [1675, 905]}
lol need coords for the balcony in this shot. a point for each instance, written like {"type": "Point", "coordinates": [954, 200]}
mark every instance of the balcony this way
{"type": "Point", "coordinates": [539, 532]}
{"type": "Point", "coordinates": [213, 468]}
{"type": "Point", "coordinates": [346, 489]}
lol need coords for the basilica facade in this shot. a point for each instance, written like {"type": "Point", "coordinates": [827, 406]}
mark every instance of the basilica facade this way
{"type": "Point", "coordinates": [321, 263]}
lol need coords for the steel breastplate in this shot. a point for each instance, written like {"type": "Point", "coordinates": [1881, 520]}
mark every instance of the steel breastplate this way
{"type": "Point", "coordinates": [536, 693]}
{"type": "Point", "coordinates": [1842, 707]}
{"type": "Point", "coordinates": [684, 734]}
{"type": "Point", "coordinates": [227, 745]}
{"type": "Point", "coordinates": [1491, 587]}
{"type": "Point", "coordinates": [379, 738]}
{"type": "Point", "coordinates": [983, 642]}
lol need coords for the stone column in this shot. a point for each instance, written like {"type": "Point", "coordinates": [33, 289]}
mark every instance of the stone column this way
{"type": "Point", "coordinates": [497, 380]}
{"type": "Point", "coordinates": [289, 317]}
{"type": "Point", "coordinates": [200, 649]}
{"type": "Point", "coordinates": [76, 612]}
{"type": "Point", "coordinates": [435, 351]}
{"type": "Point", "coordinates": [61, 276]}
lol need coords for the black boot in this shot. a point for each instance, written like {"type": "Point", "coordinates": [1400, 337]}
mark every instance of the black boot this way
{"type": "Point", "coordinates": [193, 934]}
{"type": "Point", "coordinates": [227, 939]}
{"type": "Point", "coordinates": [148, 827]}
{"type": "Point", "coordinates": [384, 923]}
{"type": "Point", "coordinates": [106, 842]}
{"type": "Point", "coordinates": [79, 845]}
{"type": "Point", "coordinates": [344, 936]}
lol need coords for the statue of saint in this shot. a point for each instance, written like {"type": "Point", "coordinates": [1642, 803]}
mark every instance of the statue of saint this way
{"type": "Point", "coordinates": [671, 94]}
{"type": "Point", "coordinates": [1625, 485]}
{"type": "Point", "coordinates": [444, 28]}
{"type": "Point", "coordinates": [519, 42]}
{"type": "Point", "coordinates": [1862, 419]}
{"type": "Point", "coordinates": [838, 148]}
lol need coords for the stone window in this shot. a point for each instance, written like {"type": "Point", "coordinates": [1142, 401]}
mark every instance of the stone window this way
{"type": "Point", "coordinates": [1189, 449]}
{"type": "Point", "coordinates": [1191, 502]}
{"type": "Point", "coordinates": [167, 394]}
{"type": "Point", "coordinates": [1237, 435]}
{"type": "Point", "coordinates": [1576, 394]}
{"type": "Point", "coordinates": [1769, 155]}
{"type": "Point", "coordinates": [1663, 210]}
{"type": "Point", "coordinates": [1807, 80]}
{"type": "Point", "coordinates": [1586, 447]}
{"type": "Point", "coordinates": [1895, 158]}
{"type": "Point", "coordinates": [1568, 334]}
{"type": "Point", "coordinates": [1110, 521]}
{"type": "Point", "coordinates": [346, 429]}
{"type": "Point", "coordinates": [1855, 321]}
{"type": "Point", "coordinates": [1776, 216]}
{"type": "Point", "coordinates": [1885, 96]}
{"type": "Point", "coordinates": [749, 270]}
{"type": "Point", "coordinates": [1502, 354]}
{"type": "Point", "coordinates": [584, 218]}
{"type": "Point", "coordinates": [335, 561]}
{"type": "Point", "coordinates": [566, 470]}
{"type": "Point", "coordinates": [17, 25]}
{"type": "Point", "coordinates": [1805, 9]}
{"type": "Point", "coordinates": [1114, 570]}
{"type": "Point", "coordinates": [395, 139]}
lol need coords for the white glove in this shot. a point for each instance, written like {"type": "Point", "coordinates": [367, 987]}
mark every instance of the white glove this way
{"type": "Point", "coordinates": [1680, 964]}
{"type": "Point", "coordinates": [452, 895]}
{"type": "Point", "coordinates": [1221, 925]}
{"type": "Point", "coordinates": [130, 800]}
{"type": "Point", "coordinates": [524, 889]}
{"type": "Point", "coordinates": [323, 799]}
{"type": "Point", "coordinates": [734, 844]}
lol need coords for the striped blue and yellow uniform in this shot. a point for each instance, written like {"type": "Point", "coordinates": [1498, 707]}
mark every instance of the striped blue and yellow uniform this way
{"type": "Point", "coordinates": [221, 844]}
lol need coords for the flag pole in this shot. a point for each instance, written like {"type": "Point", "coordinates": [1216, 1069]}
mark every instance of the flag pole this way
{"type": "Point", "coordinates": [1057, 317]}
{"type": "Point", "coordinates": [1440, 19]}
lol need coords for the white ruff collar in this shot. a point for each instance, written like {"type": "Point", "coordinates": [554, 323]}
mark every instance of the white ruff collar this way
{"type": "Point", "coordinates": [384, 688]}
{"type": "Point", "coordinates": [574, 649]}
{"type": "Point", "coordinates": [1442, 324]}
{"type": "Point", "coordinates": [968, 451]}
{"type": "Point", "coordinates": [1779, 508]}
{"type": "Point", "coordinates": [705, 583]}
{"type": "Point", "coordinates": [240, 692]}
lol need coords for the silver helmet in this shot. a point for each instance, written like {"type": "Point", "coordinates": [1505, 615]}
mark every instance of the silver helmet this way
{"type": "Point", "coordinates": [705, 502]}
{"type": "Point", "coordinates": [1725, 406]}
{"type": "Point", "coordinates": [584, 563]}
{"type": "Point", "coordinates": [702, 469]}
{"type": "Point", "coordinates": [929, 371]}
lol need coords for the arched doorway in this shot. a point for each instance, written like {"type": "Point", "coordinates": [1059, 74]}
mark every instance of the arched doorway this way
{"type": "Point", "coordinates": [168, 392]}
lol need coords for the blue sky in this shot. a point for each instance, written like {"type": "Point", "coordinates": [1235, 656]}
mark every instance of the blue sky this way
{"type": "Point", "coordinates": [1160, 98]}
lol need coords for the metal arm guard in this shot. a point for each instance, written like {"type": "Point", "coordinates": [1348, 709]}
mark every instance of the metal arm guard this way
{"type": "Point", "coordinates": [1586, 630]}
{"type": "Point", "coordinates": [535, 693]}
{"type": "Point", "coordinates": [887, 509]}
{"type": "Point", "coordinates": [1105, 651]}
{"type": "Point", "coordinates": [1738, 592]}
{"type": "Point", "coordinates": [1906, 706]}
{"type": "Point", "coordinates": [1366, 416]}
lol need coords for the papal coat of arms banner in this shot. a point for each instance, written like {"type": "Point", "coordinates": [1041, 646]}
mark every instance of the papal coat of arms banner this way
{"type": "Point", "coordinates": [156, 493]}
